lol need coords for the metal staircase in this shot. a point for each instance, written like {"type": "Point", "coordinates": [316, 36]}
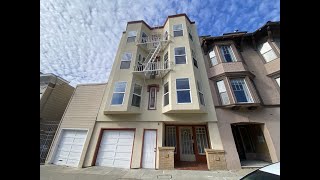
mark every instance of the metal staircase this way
{"type": "Point", "coordinates": [154, 66]}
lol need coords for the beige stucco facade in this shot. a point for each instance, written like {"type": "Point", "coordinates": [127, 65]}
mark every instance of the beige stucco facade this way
{"type": "Point", "coordinates": [127, 116]}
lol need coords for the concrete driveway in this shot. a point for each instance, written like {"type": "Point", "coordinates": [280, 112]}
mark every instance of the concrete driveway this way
{"type": "Point", "coordinates": [53, 172]}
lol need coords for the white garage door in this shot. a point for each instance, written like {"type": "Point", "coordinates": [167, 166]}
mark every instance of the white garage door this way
{"type": "Point", "coordinates": [70, 147]}
{"type": "Point", "coordinates": [115, 149]}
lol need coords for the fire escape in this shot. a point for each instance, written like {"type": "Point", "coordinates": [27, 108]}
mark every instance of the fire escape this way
{"type": "Point", "coordinates": [156, 64]}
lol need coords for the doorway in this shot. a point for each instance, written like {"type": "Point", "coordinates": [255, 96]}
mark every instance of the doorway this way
{"type": "Point", "coordinates": [250, 143]}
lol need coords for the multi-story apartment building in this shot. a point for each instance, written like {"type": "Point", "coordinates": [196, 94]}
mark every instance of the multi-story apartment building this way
{"type": "Point", "coordinates": [244, 75]}
{"type": "Point", "coordinates": [55, 94]}
{"type": "Point", "coordinates": [157, 108]}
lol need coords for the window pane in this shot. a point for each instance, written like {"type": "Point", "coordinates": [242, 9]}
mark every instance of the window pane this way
{"type": "Point", "coordinates": [180, 59]}
{"type": "Point", "coordinates": [212, 54]}
{"type": "Point", "coordinates": [227, 53]}
{"type": "Point", "coordinates": [171, 137]}
{"type": "Point", "coordinates": [269, 56]}
{"type": "Point", "coordinates": [132, 33]}
{"type": "Point", "coordinates": [201, 98]}
{"type": "Point", "coordinates": [126, 57]}
{"type": "Point", "coordinates": [183, 83]}
{"type": "Point", "coordinates": [120, 87]}
{"type": "Point", "coordinates": [177, 33]}
{"type": "Point", "coordinates": [136, 100]}
{"type": "Point", "coordinates": [184, 96]}
{"type": "Point", "coordinates": [131, 39]}
{"type": "Point", "coordinates": [190, 36]}
{"type": "Point", "coordinates": [264, 47]}
{"type": "Point", "coordinates": [166, 99]}
{"type": "Point", "coordinates": [166, 88]}
{"type": "Point", "coordinates": [241, 90]}
{"type": "Point", "coordinates": [221, 86]}
{"type": "Point", "coordinates": [137, 89]}
{"type": "Point", "coordinates": [213, 61]}
{"type": "Point", "coordinates": [152, 98]}
{"type": "Point", "coordinates": [278, 81]}
{"type": "Point", "coordinates": [125, 65]}
{"type": "Point", "coordinates": [195, 63]}
{"type": "Point", "coordinates": [224, 98]}
{"type": "Point", "coordinates": [202, 142]}
{"type": "Point", "coordinates": [177, 27]}
{"type": "Point", "coordinates": [117, 98]}
{"type": "Point", "coordinates": [179, 51]}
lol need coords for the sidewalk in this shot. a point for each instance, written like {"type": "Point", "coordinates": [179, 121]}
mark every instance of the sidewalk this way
{"type": "Point", "coordinates": [53, 172]}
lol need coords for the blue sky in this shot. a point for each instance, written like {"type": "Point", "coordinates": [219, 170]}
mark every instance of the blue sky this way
{"type": "Point", "coordinates": [79, 38]}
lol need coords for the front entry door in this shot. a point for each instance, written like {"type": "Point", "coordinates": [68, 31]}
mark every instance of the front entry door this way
{"type": "Point", "coordinates": [186, 144]}
{"type": "Point", "coordinates": [149, 149]}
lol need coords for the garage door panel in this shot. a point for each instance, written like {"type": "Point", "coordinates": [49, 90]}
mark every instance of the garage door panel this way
{"type": "Point", "coordinates": [79, 140]}
{"type": "Point", "coordinates": [106, 154]}
{"type": "Point", "coordinates": [70, 147]}
{"type": "Point", "coordinates": [74, 155]}
{"type": "Point", "coordinates": [108, 147]}
{"type": "Point", "coordinates": [125, 141]}
{"type": "Point", "coordinates": [72, 162]}
{"type": "Point", "coordinates": [123, 156]}
{"type": "Point", "coordinates": [104, 162]}
{"type": "Point", "coordinates": [115, 149]}
{"type": "Point", "coordinates": [109, 141]}
{"type": "Point", "coordinates": [65, 147]}
{"type": "Point", "coordinates": [126, 134]}
{"type": "Point", "coordinates": [121, 163]}
{"type": "Point", "coordinates": [123, 148]}
{"type": "Point", "coordinates": [109, 134]}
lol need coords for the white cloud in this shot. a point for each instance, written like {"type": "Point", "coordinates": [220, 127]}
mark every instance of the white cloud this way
{"type": "Point", "coordinates": [79, 38]}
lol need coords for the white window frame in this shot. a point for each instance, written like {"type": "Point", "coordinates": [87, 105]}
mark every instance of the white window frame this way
{"type": "Point", "coordinates": [178, 30]}
{"type": "Point", "coordinates": [184, 90]}
{"type": "Point", "coordinates": [166, 93]}
{"type": "Point", "coordinates": [248, 90]}
{"type": "Point", "coordinates": [128, 36]}
{"type": "Point", "coordinates": [233, 57]}
{"type": "Point", "coordinates": [199, 88]}
{"type": "Point", "coordinates": [122, 60]}
{"type": "Point", "coordinates": [114, 87]}
{"type": "Point", "coordinates": [220, 92]}
{"type": "Point", "coordinates": [185, 54]}
{"type": "Point", "coordinates": [215, 56]}
{"type": "Point", "coordinates": [137, 95]}
{"type": "Point", "coordinates": [270, 50]}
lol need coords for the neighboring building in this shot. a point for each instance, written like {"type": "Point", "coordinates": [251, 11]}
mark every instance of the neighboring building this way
{"type": "Point", "coordinates": [157, 108]}
{"type": "Point", "coordinates": [244, 73]}
{"type": "Point", "coordinates": [55, 93]}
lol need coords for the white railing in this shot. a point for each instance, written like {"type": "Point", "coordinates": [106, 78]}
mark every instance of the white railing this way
{"type": "Point", "coordinates": [154, 38]}
{"type": "Point", "coordinates": [152, 66]}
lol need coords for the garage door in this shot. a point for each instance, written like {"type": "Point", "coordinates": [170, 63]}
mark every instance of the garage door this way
{"type": "Point", "coordinates": [115, 149]}
{"type": "Point", "coordinates": [70, 147]}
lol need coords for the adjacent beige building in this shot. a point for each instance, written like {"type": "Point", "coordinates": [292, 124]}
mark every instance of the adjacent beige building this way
{"type": "Point", "coordinates": [244, 76]}
{"type": "Point", "coordinates": [55, 93]}
{"type": "Point", "coordinates": [156, 110]}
